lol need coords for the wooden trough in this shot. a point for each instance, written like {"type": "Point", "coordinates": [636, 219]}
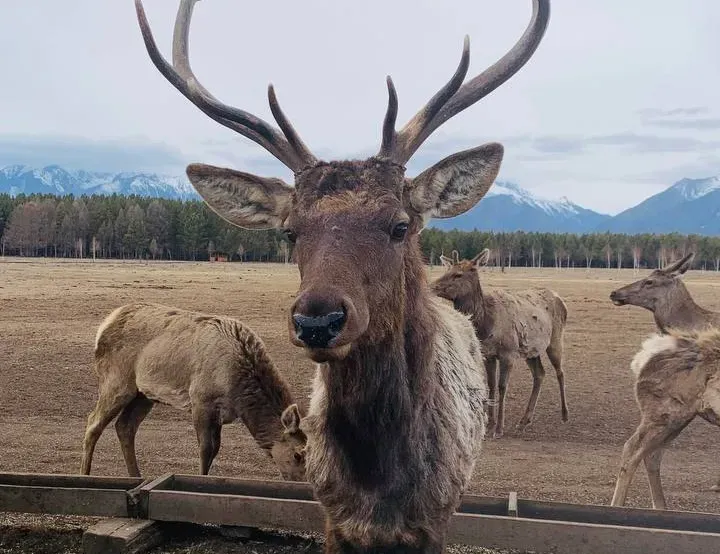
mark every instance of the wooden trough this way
{"type": "Point", "coordinates": [503, 523]}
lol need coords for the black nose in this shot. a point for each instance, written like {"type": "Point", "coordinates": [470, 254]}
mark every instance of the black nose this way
{"type": "Point", "coordinates": [318, 331]}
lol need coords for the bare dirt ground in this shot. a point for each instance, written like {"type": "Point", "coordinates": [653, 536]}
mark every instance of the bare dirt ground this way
{"type": "Point", "coordinates": [50, 310]}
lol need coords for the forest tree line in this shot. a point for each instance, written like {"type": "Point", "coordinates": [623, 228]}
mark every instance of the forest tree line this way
{"type": "Point", "coordinates": [137, 227]}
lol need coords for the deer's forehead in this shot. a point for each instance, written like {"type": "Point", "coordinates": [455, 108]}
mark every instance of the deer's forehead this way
{"type": "Point", "coordinates": [350, 205]}
{"type": "Point", "coordinates": [372, 177]}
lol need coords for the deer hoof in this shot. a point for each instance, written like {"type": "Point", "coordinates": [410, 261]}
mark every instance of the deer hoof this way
{"type": "Point", "coordinates": [498, 433]}
{"type": "Point", "coordinates": [524, 424]}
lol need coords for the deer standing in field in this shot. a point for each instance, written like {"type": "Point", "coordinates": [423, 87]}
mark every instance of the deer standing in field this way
{"type": "Point", "coordinates": [213, 366]}
{"type": "Point", "coordinates": [677, 378]}
{"type": "Point", "coordinates": [521, 324]}
{"type": "Point", "coordinates": [667, 297]}
{"type": "Point", "coordinates": [396, 414]}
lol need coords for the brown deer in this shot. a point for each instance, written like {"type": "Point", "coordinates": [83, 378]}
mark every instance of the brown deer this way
{"type": "Point", "coordinates": [396, 414]}
{"type": "Point", "coordinates": [667, 297]}
{"type": "Point", "coordinates": [677, 379]}
{"type": "Point", "coordinates": [213, 366]}
{"type": "Point", "coordinates": [522, 324]}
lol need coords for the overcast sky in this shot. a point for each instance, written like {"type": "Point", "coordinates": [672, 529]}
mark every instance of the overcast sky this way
{"type": "Point", "coordinates": [620, 100]}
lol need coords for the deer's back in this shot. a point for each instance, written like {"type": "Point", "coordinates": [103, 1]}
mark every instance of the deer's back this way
{"type": "Point", "coordinates": [521, 321]}
{"type": "Point", "coordinates": [172, 355]}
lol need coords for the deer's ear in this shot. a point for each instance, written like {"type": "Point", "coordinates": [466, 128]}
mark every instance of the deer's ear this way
{"type": "Point", "coordinates": [482, 258]}
{"type": "Point", "coordinates": [290, 418]}
{"type": "Point", "coordinates": [454, 185]}
{"type": "Point", "coordinates": [681, 266]}
{"type": "Point", "coordinates": [243, 199]}
{"type": "Point", "coordinates": [445, 261]}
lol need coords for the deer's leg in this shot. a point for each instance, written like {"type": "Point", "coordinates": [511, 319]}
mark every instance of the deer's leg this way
{"type": "Point", "coordinates": [126, 428]}
{"type": "Point", "coordinates": [648, 438]}
{"type": "Point", "coordinates": [491, 371]}
{"type": "Point", "coordinates": [538, 374]}
{"type": "Point", "coordinates": [652, 466]}
{"type": "Point", "coordinates": [113, 398]}
{"type": "Point", "coordinates": [555, 352]}
{"type": "Point", "coordinates": [208, 428]}
{"type": "Point", "coordinates": [505, 369]}
{"type": "Point", "coordinates": [332, 543]}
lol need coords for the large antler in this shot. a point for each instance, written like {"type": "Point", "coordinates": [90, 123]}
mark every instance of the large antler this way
{"type": "Point", "coordinates": [286, 147]}
{"type": "Point", "coordinates": [454, 98]}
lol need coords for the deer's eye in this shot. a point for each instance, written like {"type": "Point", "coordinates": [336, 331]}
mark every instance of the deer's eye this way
{"type": "Point", "coordinates": [290, 235]}
{"type": "Point", "coordinates": [399, 231]}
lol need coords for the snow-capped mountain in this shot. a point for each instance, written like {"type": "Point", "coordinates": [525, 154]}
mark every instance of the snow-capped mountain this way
{"type": "Point", "coordinates": [17, 179]}
{"type": "Point", "coordinates": [508, 207]}
{"type": "Point", "coordinates": [688, 206]}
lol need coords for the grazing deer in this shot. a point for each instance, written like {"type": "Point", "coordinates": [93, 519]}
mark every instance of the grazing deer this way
{"type": "Point", "coordinates": [677, 379]}
{"type": "Point", "coordinates": [509, 325]}
{"type": "Point", "coordinates": [396, 414]}
{"type": "Point", "coordinates": [213, 366]}
{"type": "Point", "coordinates": [667, 297]}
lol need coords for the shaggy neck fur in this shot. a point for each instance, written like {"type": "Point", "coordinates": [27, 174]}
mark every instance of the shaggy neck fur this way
{"type": "Point", "coordinates": [679, 311]}
{"type": "Point", "coordinates": [473, 304]}
{"type": "Point", "coordinates": [373, 394]}
{"type": "Point", "coordinates": [261, 396]}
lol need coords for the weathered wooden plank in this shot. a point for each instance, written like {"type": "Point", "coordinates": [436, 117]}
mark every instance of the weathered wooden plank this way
{"type": "Point", "coordinates": [475, 529]}
{"type": "Point", "coordinates": [235, 510]}
{"type": "Point", "coordinates": [69, 481]}
{"type": "Point", "coordinates": [246, 487]}
{"type": "Point", "coordinates": [298, 491]}
{"type": "Point", "coordinates": [512, 504]}
{"type": "Point", "coordinates": [632, 517]}
{"type": "Point", "coordinates": [562, 537]}
{"type": "Point", "coordinates": [61, 500]}
{"type": "Point", "coordinates": [122, 536]}
{"type": "Point", "coordinates": [137, 498]}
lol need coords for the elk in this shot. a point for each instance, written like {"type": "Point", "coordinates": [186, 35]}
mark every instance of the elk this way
{"type": "Point", "coordinates": [677, 378]}
{"type": "Point", "coordinates": [213, 366]}
{"type": "Point", "coordinates": [396, 413]}
{"type": "Point", "coordinates": [509, 326]}
{"type": "Point", "coordinates": [666, 296]}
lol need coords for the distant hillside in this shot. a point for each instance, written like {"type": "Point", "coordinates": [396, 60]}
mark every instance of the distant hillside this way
{"type": "Point", "coordinates": [508, 207]}
{"type": "Point", "coordinates": [690, 206]}
{"type": "Point", "coordinates": [17, 179]}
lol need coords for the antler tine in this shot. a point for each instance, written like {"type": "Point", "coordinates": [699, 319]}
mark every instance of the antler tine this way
{"type": "Point", "coordinates": [456, 256]}
{"type": "Point", "coordinates": [288, 130]}
{"type": "Point", "coordinates": [425, 115]}
{"type": "Point", "coordinates": [288, 149]}
{"type": "Point", "coordinates": [389, 135]}
{"type": "Point", "coordinates": [421, 127]}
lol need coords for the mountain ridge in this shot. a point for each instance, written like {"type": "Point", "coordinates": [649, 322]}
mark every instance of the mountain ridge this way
{"type": "Point", "coordinates": [689, 206]}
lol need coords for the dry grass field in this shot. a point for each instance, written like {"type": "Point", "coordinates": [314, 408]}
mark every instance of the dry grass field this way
{"type": "Point", "coordinates": [49, 312]}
